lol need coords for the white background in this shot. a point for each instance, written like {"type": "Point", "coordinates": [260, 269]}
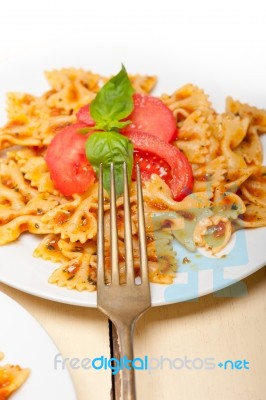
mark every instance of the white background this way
{"type": "Point", "coordinates": [223, 38]}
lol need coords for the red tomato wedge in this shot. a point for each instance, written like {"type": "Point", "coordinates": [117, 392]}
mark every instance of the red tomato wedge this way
{"type": "Point", "coordinates": [181, 182]}
{"type": "Point", "coordinates": [151, 164]}
{"type": "Point", "coordinates": [69, 168]}
{"type": "Point", "coordinates": [83, 115]}
{"type": "Point", "coordinates": [151, 115]}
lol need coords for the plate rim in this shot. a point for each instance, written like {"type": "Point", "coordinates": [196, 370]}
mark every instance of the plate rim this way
{"type": "Point", "coordinates": [30, 319]}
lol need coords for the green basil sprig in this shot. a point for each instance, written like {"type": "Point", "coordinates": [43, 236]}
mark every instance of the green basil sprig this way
{"type": "Point", "coordinates": [113, 102]}
{"type": "Point", "coordinates": [108, 147]}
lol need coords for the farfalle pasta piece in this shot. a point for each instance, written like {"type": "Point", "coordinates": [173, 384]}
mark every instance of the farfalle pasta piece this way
{"type": "Point", "coordinates": [251, 148]}
{"type": "Point", "coordinates": [73, 250]}
{"type": "Point", "coordinates": [236, 176]}
{"type": "Point", "coordinates": [7, 215]}
{"type": "Point", "coordinates": [254, 216]}
{"type": "Point", "coordinates": [158, 196]}
{"type": "Point", "coordinates": [61, 213]}
{"type": "Point", "coordinates": [209, 176]}
{"type": "Point", "coordinates": [81, 226]}
{"type": "Point", "coordinates": [71, 88]}
{"type": "Point", "coordinates": [24, 223]}
{"type": "Point", "coordinates": [20, 155]}
{"type": "Point", "coordinates": [33, 123]}
{"type": "Point", "coordinates": [8, 139]}
{"type": "Point", "coordinates": [193, 138]}
{"type": "Point", "coordinates": [256, 116]}
{"type": "Point", "coordinates": [26, 114]}
{"type": "Point", "coordinates": [162, 259]}
{"type": "Point", "coordinates": [10, 200]}
{"type": "Point", "coordinates": [186, 100]}
{"type": "Point", "coordinates": [192, 226]}
{"type": "Point", "coordinates": [143, 83]}
{"type": "Point", "coordinates": [48, 249]}
{"type": "Point", "coordinates": [213, 233]}
{"type": "Point", "coordinates": [41, 204]}
{"type": "Point", "coordinates": [232, 131]}
{"type": "Point", "coordinates": [36, 171]}
{"type": "Point", "coordinates": [21, 106]}
{"type": "Point", "coordinates": [36, 206]}
{"type": "Point", "coordinates": [11, 378]}
{"type": "Point", "coordinates": [12, 177]}
{"type": "Point", "coordinates": [254, 188]}
{"type": "Point", "coordinates": [78, 273]}
{"type": "Point", "coordinates": [53, 125]}
{"type": "Point", "coordinates": [228, 204]}
{"type": "Point", "coordinates": [74, 220]}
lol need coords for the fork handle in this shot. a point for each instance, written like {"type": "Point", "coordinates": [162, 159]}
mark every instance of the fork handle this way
{"type": "Point", "coordinates": [125, 334]}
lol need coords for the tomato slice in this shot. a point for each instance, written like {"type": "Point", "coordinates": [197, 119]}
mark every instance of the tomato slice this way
{"type": "Point", "coordinates": [69, 168]}
{"type": "Point", "coordinates": [149, 115]}
{"type": "Point", "coordinates": [152, 116]}
{"type": "Point", "coordinates": [83, 115]}
{"type": "Point", "coordinates": [151, 164]}
{"type": "Point", "coordinates": [181, 182]}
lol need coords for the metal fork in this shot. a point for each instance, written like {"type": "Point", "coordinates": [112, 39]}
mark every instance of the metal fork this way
{"type": "Point", "coordinates": [123, 303]}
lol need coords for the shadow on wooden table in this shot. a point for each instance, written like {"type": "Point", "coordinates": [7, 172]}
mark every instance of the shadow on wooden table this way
{"type": "Point", "coordinates": [72, 312]}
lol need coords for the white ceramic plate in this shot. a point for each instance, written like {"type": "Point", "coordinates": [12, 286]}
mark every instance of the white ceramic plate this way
{"type": "Point", "coordinates": [202, 275]}
{"type": "Point", "coordinates": [24, 342]}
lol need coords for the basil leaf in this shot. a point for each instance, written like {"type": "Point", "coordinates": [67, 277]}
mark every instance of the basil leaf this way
{"type": "Point", "coordinates": [107, 148]}
{"type": "Point", "coordinates": [114, 101]}
{"type": "Point", "coordinates": [118, 124]}
{"type": "Point", "coordinates": [110, 126]}
{"type": "Point", "coordinates": [84, 131]}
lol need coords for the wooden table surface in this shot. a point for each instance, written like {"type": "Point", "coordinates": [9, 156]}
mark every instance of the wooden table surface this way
{"type": "Point", "coordinates": [212, 327]}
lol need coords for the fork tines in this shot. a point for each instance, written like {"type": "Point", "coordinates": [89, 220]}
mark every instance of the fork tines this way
{"type": "Point", "coordinates": [129, 260]}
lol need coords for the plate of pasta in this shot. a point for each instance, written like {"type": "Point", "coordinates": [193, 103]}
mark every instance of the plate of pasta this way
{"type": "Point", "coordinates": [25, 359]}
{"type": "Point", "coordinates": [204, 182]}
